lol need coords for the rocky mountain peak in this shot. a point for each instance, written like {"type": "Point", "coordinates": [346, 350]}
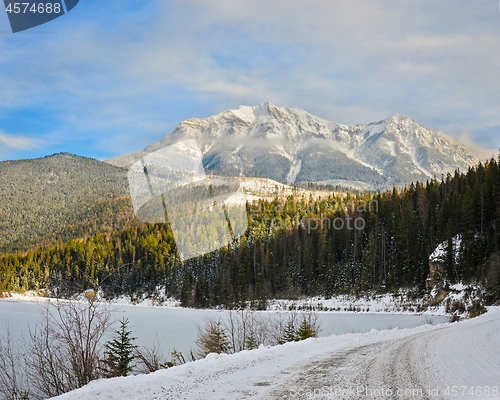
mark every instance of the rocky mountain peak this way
{"type": "Point", "coordinates": [292, 145]}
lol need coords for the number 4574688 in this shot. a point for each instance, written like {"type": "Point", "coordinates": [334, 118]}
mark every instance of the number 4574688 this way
{"type": "Point", "coordinates": [23, 8]}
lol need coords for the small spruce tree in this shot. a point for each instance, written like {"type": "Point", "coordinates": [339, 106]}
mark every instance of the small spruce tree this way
{"type": "Point", "coordinates": [305, 331]}
{"type": "Point", "coordinates": [213, 339]}
{"type": "Point", "coordinates": [251, 342]}
{"type": "Point", "coordinates": [289, 334]}
{"type": "Point", "coordinates": [119, 354]}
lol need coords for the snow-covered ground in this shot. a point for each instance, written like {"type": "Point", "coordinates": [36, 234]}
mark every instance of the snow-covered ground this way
{"type": "Point", "coordinates": [400, 303]}
{"type": "Point", "coordinates": [378, 303]}
{"type": "Point", "coordinates": [428, 362]}
{"type": "Point", "coordinates": [121, 300]}
{"type": "Point", "coordinates": [387, 303]}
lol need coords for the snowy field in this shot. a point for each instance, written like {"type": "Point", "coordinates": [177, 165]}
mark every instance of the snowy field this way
{"type": "Point", "coordinates": [449, 361]}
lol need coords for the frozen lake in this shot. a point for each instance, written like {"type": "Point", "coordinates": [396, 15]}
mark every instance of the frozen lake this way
{"type": "Point", "coordinates": [177, 327]}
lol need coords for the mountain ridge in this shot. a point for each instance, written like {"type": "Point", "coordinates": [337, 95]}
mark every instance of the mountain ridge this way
{"type": "Point", "coordinates": [291, 145]}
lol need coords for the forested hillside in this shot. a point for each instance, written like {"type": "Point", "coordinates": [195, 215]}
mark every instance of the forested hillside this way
{"type": "Point", "coordinates": [289, 249]}
{"type": "Point", "coordinates": [59, 197]}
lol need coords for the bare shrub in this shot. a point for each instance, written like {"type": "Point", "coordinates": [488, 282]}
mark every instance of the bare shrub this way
{"type": "Point", "coordinates": [64, 350]}
{"type": "Point", "coordinates": [13, 380]}
{"type": "Point", "coordinates": [246, 329]}
{"type": "Point", "coordinates": [150, 357]}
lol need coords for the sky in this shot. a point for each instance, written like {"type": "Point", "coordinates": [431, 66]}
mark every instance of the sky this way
{"type": "Point", "coordinates": [109, 78]}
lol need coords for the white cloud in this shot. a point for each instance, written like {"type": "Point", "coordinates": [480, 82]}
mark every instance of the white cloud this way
{"type": "Point", "coordinates": [357, 61]}
{"type": "Point", "coordinates": [482, 152]}
{"type": "Point", "coordinates": [19, 142]}
{"type": "Point", "coordinates": [469, 140]}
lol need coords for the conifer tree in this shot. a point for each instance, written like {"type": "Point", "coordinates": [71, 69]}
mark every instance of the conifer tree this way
{"type": "Point", "coordinates": [213, 339]}
{"type": "Point", "coordinates": [305, 331]}
{"type": "Point", "coordinates": [251, 342]}
{"type": "Point", "coordinates": [119, 354]}
{"type": "Point", "coordinates": [289, 334]}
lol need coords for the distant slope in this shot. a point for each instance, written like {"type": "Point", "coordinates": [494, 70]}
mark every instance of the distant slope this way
{"type": "Point", "coordinates": [291, 145]}
{"type": "Point", "coordinates": [62, 193]}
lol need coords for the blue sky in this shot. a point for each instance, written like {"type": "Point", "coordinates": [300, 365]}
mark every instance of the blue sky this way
{"type": "Point", "coordinates": [111, 77]}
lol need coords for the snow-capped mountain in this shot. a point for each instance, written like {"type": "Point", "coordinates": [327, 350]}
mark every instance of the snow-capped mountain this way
{"type": "Point", "coordinates": [291, 145]}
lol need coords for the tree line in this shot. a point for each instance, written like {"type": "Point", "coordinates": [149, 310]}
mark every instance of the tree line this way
{"type": "Point", "coordinates": [297, 246]}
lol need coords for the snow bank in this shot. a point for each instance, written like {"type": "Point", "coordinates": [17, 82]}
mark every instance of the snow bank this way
{"type": "Point", "coordinates": [256, 372]}
{"type": "Point", "coordinates": [248, 370]}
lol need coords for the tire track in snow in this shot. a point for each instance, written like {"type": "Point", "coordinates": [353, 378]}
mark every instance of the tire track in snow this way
{"type": "Point", "coordinates": [423, 366]}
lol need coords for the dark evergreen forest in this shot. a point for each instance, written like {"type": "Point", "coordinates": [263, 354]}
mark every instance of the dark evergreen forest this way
{"type": "Point", "coordinates": [344, 243]}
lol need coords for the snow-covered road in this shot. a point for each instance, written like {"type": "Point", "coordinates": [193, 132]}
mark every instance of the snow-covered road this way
{"type": "Point", "coordinates": [452, 361]}
{"type": "Point", "coordinates": [456, 361]}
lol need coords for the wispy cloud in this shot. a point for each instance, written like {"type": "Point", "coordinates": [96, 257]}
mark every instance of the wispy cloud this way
{"type": "Point", "coordinates": [132, 72]}
{"type": "Point", "coordinates": [19, 142]}
{"type": "Point", "coordinates": [469, 140]}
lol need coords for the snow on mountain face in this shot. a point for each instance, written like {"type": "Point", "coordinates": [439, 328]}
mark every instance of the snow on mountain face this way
{"type": "Point", "coordinates": [291, 145]}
